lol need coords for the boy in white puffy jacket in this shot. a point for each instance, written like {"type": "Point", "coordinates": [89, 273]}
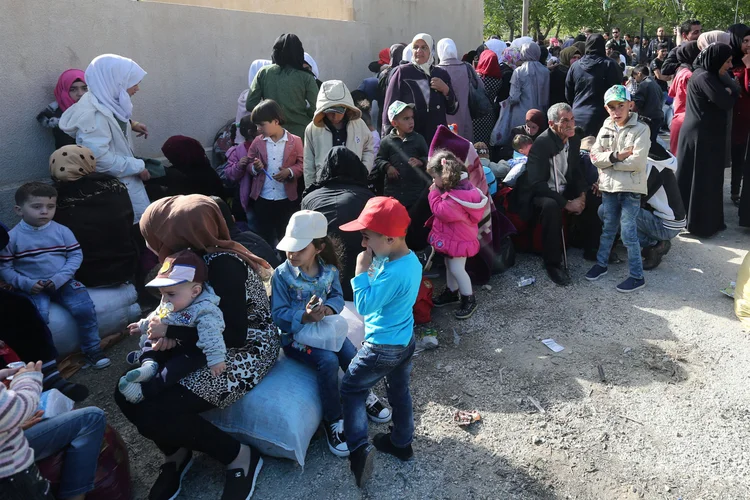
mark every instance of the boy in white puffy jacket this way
{"type": "Point", "coordinates": [620, 153]}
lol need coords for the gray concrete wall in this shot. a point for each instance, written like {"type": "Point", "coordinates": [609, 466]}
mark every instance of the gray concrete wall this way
{"type": "Point", "coordinates": [196, 58]}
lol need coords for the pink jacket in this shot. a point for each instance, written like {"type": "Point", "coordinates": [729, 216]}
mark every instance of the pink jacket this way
{"type": "Point", "coordinates": [251, 183]}
{"type": "Point", "coordinates": [455, 218]}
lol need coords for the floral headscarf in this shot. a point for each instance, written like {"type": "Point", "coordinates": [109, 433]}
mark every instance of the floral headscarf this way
{"type": "Point", "coordinates": [512, 57]}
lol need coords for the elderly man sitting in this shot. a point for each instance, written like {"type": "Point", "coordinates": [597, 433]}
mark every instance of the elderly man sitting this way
{"type": "Point", "coordinates": [554, 182]}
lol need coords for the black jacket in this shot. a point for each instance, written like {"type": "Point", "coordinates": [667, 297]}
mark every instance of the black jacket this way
{"type": "Point", "coordinates": [670, 64]}
{"type": "Point", "coordinates": [396, 152]}
{"type": "Point", "coordinates": [649, 98]}
{"type": "Point", "coordinates": [97, 209]}
{"type": "Point", "coordinates": [533, 183]}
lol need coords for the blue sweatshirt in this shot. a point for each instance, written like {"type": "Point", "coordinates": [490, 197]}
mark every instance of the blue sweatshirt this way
{"type": "Point", "coordinates": [385, 296]}
{"type": "Point", "coordinates": [49, 252]}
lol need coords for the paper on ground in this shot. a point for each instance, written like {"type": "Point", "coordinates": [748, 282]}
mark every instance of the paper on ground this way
{"type": "Point", "coordinates": [552, 345]}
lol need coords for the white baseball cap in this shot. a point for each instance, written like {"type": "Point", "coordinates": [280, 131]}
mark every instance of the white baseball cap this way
{"type": "Point", "coordinates": [303, 227]}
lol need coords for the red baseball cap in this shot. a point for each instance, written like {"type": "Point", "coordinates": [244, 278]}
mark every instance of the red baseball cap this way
{"type": "Point", "coordinates": [382, 214]}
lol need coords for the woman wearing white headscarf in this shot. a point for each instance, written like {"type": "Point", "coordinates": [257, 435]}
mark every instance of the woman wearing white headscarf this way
{"type": "Point", "coordinates": [423, 84]}
{"type": "Point", "coordinates": [242, 111]}
{"type": "Point", "coordinates": [496, 46]}
{"type": "Point", "coordinates": [529, 85]}
{"type": "Point", "coordinates": [462, 75]}
{"type": "Point", "coordinates": [101, 121]}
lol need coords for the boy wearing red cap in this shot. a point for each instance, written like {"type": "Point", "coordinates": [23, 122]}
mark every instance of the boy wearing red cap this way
{"type": "Point", "coordinates": [385, 286]}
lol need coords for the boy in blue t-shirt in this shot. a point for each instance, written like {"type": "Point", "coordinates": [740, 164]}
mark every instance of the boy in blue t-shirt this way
{"type": "Point", "coordinates": [385, 286]}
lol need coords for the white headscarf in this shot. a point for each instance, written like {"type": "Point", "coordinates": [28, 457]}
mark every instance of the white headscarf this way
{"type": "Point", "coordinates": [431, 60]}
{"type": "Point", "coordinates": [521, 41]}
{"type": "Point", "coordinates": [309, 60]}
{"type": "Point", "coordinates": [407, 54]}
{"type": "Point", "coordinates": [446, 49]}
{"type": "Point", "coordinates": [496, 46]}
{"type": "Point", "coordinates": [108, 78]}
{"type": "Point", "coordinates": [254, 68]}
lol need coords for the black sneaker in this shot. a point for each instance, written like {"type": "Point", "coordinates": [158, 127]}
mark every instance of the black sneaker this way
{"type": "Point", "coordinates": [383, 443]}
{"type": "Point", "coordinates": [238, 486]}
{"type": "Point", "coordinates": [336, 438]}
{"type": "Point", "coordinates": [376, 411]}
{"type": "Point", "coordinates": [631, 285]}
{"type": "Point", "coordinates": [558, 275]}
{"type": "Point", "coordinates": [467, 308]}
{"type": "Point", "coordinates": [446, 298]}
{"type": "Point", "coordinates": [362, 461]}
{"type": "Point", "coordinates": [96, 360]}
{"type": "Point", "coordinates": [169, 482]}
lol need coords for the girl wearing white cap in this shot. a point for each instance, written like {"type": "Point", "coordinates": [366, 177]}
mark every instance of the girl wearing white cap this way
{"type": "Point", "coordinates": [306, 304]}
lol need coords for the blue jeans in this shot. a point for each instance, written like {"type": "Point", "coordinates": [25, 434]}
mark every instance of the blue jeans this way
{"type": "Point", "coordinates": [80, 434]}
{"type": "Point", "coordinates": [74, 297]}
{"type": "Point", "coordinates": [620, 210]}
{"type": "Point", "coordinates": [327, 364]}
{"type": "Point", "coordinates": [651, 229]}
{"type": "Point", "coordinates": [372, 363]}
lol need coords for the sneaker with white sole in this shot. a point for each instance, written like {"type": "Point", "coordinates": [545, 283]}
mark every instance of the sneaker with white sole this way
{"type": "Point", "coordinates": [336, 438]}
{"type": "Point", "coordinates": [96, 360]}
{"type": "Point", "coordinates": [169, 482]}
{"type": "Point", "coordinates": [376, 411]}
{"type": "Point", "coordinates": [631, 285]}
{"type": "Point", "coordinates": [239, 486]}
{"type": "Point", "coordinates": [596, 272]}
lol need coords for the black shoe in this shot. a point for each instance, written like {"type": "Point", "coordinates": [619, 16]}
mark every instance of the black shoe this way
{"type": "Point", "coordinates": [362, 461]}
{"type": "Point", "coordinates": [558, 275]}
{"type": "Point", "coordinates": [76, 392]}
{"type": "Point", "coordinates": [169, 482]}
{"type": "Point", "coordinates": [238, 486]}
{"type": "Point", "coordinates": [652, 255]}
{"type": "Point", "coordinates": [336, 438]}
{"type": "Point", "coordinates": [383, 443]}
{"type": "Point", "coordinates": [467, 308]}
{"type": "Point", "coordinates": [446, 298]}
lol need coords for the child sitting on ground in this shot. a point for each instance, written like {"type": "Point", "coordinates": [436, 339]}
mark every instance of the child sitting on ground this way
{"type": "Point", "coordinates": [270, 172]}
{"type": "Point", "coordinates": [19, 475]}
{"type": "Point", "coordinates": [186, 300]}
{"type": "Point", "coordinates": [457, 207]}
{"type": "Point", "coordinates": [385, 285]}
{"type": "Point", "coordinates": [620, 153]}
{"type": "Point", "coordinates": [494, 172]}
{"type": "Point", "coordinates": [521, 146]}
{"type": "Point", "coordinates": [41, 260]}
{"type": "Point", "coordinates": [403, 156]}
{"type": "Point", "coordinates": [307, 289]}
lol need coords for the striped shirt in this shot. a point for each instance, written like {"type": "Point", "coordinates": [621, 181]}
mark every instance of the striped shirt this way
{"type": "Point", "coordinates": [49, 252]}
{"type": "Point", "coordinates": [16, 405]}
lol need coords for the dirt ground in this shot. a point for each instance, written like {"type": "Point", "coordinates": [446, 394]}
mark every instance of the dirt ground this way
{"type": "Point", "coordinates": [668, 421]}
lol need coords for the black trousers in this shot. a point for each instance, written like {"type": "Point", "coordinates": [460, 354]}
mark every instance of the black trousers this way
{"type": "Point", "coordinates": [550, 217]}
{"type": "Point", "coordinates": [25, 485]}
{"type": "Point", "coordinates": [273, 217]}
{"type": "Point", "coordinates": [739, 159]}
{"type": "Point", "coordinates": [174, 365]}
{"type": "Point", "coordinates": [173, 421]}
{"type": "Point", "coordinates": [24, 330]}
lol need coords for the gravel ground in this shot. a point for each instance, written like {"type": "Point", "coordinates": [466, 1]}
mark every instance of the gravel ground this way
{"type": "Point", "coordinates": [667, 421]}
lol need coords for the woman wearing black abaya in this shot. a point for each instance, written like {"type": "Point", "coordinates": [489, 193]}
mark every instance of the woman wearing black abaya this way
{"type": "Point", "coordinates": [740, 43]}
{"type": "Point", "coordinates": [700, 152]}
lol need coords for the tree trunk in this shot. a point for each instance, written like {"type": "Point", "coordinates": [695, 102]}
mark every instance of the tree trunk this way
{"type": "Point", "coordinates": [557, 31]}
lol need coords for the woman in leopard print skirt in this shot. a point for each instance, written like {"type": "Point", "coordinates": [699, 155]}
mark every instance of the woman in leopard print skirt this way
{"type": "Point", "coordinates": [173, 421]}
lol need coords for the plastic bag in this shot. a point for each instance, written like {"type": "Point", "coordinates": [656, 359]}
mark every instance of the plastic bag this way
{"type": "Point", "coordinates": [742, 292]}
{"type": "Point", "coordinates": [501, 131]}
{"type": "Point", "coordinates": [328, 333]}
{"type": "Point", "coordinates": [54, 403]}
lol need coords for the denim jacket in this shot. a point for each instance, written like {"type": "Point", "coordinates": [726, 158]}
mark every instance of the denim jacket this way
{"type": "Point", "coordinates": [292, 290]}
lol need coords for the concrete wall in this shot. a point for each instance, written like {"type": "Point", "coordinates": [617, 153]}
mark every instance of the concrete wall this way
{"type": "Point", "coordinates": [341, 10]}
{"type": "Point", "coordinates": [196, 58]}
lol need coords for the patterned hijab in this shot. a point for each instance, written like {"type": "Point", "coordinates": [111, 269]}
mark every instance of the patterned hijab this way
{"type": "Point", "coordinates": [70, 163]}
{"type": "Point", "coordinates": [512, 57]}
{"type": "Point", "coordinates": [191, 221]}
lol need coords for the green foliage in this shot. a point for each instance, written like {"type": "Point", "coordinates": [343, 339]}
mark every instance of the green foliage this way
{"type": "Point", "coordinates": [503, 17]}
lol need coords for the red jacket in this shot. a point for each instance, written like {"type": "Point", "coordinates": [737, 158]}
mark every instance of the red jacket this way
{"type": "Point", "coordinates": [293, 157]}
{"type": "Point", "coordinates": [741, 119]}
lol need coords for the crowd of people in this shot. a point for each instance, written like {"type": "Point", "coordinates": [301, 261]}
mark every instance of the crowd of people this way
{"type": "Point", "coordinates": [337, 195]}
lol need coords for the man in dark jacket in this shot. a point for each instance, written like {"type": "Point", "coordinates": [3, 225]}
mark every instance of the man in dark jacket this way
{"type": "Point", "coordinates": [690, 30]}
{"type": "Point", "coordinates": [653, 46]}
{"type": "Point", "coordinates": [648, 100]}
{"type": "Point", "coordinates": [586, 83]}
{"type": "Point", "coordinates": [340, 194]}
{"type": "Point", "coordinates": [554, 182]}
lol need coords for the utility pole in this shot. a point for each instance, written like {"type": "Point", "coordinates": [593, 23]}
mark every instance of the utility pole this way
{"type": "Point", "coordinates": [525, 18]}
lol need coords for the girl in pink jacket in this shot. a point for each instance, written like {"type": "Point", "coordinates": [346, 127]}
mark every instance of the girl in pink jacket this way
{"type": "Point", "coordinates": [457, 207]}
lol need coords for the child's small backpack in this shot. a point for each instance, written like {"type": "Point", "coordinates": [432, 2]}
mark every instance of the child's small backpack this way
{"type": "Point", "coordinates": [423, 306]}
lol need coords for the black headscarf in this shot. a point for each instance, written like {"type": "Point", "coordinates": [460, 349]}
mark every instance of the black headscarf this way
{"type": "Point", "coordinates": [595, 45]}
{"type": "Point", "coordinates": [342, 166]}
{"type": "Point", "coordinates": [288, 52]}
{"type": "Point", "coordinates": [397, 52]}
{"type": "Point", "coordinates": [545, 53]}
{"type": "Point", "coordinates": [737, 32]}
{"type": "Point", "coordinates": [686, 54]}
{"type": "Point", "coordinates": [713, 57]}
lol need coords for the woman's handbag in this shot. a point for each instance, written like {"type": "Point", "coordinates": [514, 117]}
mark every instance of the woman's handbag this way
{"type": "Point", "coordinates": [479, 103]}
